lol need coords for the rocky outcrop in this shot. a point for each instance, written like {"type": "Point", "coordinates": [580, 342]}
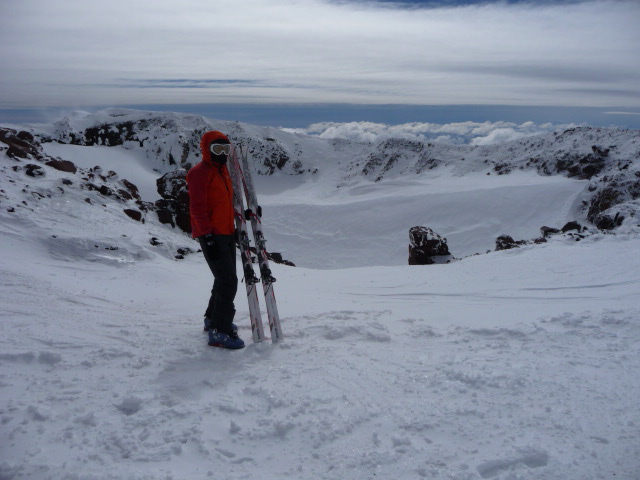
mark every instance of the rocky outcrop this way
{"type": "Point", "coordinates": [274, 257]}
{"type": "Point", "coordinates": [270, 156]}
{"type": "Point", "coordinates": [391, 152]}
{"type": "Point", "coordinates": [62, 165]}
{"type": "Point", "coordinates": [34, 170]}
{"type": "Point", "coordinates": [611, 193]}
{"type": "Point", "coordinates": [426, 247]}
{"type": "Point", "coordinates": [608, 158]}
{"type": "Point", "coordinates": [173, 208]}
{"type": "Point", "coordinates": [169, 140]}
{"type": "Point", "coordinates": [571, 230]}
{"type": "Point", "coordinates": [21, 145]}
{"type": "Point", "coordinates": [134, 214]}
{"type": "Point", "coordinates": [172, 141]}
{"type": "Point", "coordinates": [506, 242]}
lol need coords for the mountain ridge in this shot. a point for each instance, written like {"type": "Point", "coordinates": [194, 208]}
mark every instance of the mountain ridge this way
{"type": "Point", "coordinates": [606, 160]}
{"type": "Point", "coordinates": [608, 157]}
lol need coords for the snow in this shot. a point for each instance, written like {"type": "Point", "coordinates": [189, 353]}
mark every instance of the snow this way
{"type": "Point", "coordinates": [470, 211]}
{"type": "Point", "coordinates": [510, 365]}
{"type": "Point", "coordinates": [117, 159]}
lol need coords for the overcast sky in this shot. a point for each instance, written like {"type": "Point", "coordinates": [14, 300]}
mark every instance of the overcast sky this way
{"type": "Point", "coordinates": [117, 52]}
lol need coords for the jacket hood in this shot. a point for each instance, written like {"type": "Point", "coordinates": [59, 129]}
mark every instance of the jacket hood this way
{"type": "Point", "coordinates": [209, 138]}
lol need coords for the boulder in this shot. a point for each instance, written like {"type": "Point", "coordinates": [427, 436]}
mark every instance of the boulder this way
{"type": "Point", "coordinates": [606, 222]}
{"type": "Point", "coordinates": [547, 231]}
{"type": "Point", "coordinates": [62, 165]}
{"type": "Point", "coordinates": [277, 258]}
{"type": "Point", "coordinates": [134, 214]}
{"type": "Point", "coordinates": [506, 242]}
{"type": "Point", "coordinates": [34, 170]}
{"type": "Point", "coordinates": [426, 247]}
{"type": "Point", "coordinates": [569, 226]}
{"type": "Point", "coordinates": [131, 188]}
{"type": "Point", "coordinates": [173, 208]}
{"type": "Point", "coordinates": [21, 145]}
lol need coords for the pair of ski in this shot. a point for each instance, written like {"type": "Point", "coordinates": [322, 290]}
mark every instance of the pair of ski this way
{"type": "Point", "coordinates": [243, 183]}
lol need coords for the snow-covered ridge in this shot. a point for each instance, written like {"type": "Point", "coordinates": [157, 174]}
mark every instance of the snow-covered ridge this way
{"type": "Point", "coordinates": [168, 140]}
{"type": "Point", "coordinates": [609, 158]}
{"type": "Point", "coordinates": [470, 194]}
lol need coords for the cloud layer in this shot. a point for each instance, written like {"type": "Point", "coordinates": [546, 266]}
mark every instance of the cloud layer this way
{"type": "Point", "coordinates": [472, 133]}
{"type": "Point", "coordinates": [85, 52]}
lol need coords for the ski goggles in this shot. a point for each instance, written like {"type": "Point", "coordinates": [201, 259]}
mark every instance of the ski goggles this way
{"type": "Point", "coordinates": [220, 148]}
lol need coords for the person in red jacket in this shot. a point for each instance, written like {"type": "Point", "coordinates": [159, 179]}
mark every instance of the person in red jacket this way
{"type": "Point", "coordinates": [212, 224]}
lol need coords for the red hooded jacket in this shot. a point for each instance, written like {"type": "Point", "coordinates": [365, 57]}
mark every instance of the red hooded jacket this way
{"type": "Point", "coordinates": [210, 193]}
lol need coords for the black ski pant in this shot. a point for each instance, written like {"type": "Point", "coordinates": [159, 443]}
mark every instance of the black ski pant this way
{"type": "Point", "coordinates": [221, 258]}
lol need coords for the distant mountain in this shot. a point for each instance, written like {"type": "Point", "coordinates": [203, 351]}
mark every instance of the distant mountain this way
{"type": "Point", "coordinates": [171, 140]}
{"type": "Point", "coordinates": [168, 143]}
{"type": "Point", "coordinates": [609, 158]}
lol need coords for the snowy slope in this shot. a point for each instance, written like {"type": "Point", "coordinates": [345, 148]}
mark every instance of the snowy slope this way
{"type": "Point", "coordinates": [516, 364]}
{"type": "Point", "coordinates": [584, 174]}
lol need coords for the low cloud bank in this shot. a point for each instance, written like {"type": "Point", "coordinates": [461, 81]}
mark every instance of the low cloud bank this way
{"type": "Point", "coordinates": [465, 133]}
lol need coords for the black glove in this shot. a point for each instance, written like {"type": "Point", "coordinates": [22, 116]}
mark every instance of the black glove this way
{"type": "Point", "coordinates": [209, 240]}
{"type": "Point", "coordinates": [208, 243]}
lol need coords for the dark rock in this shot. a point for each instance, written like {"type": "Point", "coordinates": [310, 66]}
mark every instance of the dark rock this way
{"type": "Point", "coordinates": [426, 247]}
{"type": "Point", "coordinates": [145, 206]}
{"type": "Point", "coordinates": [604, 222]}
{"type": "Point", "coordinates": [505, 242]}
{"type": "Point", "coordinates": [603, 152]}
{"type": "Point", "coordinates": [122, 193]}
{"type": "Point", "coordinates": [572, 226]}
{"type": "Point", "coordinates": [165, 212]}
{"type": "Point", "coordinates": [173, 185]}
{"type": "Point", "coordinates": [183, 220]}
{"type": "Point", "coordinates": [34, 170]}
{"type": "Point", "coordinates": [106, 191]}
{"type": "Point", "coordinates": [548, 231]}
{"type": "Point", "coordinates": [173, 208]}
{"type": "Point", "coordinates": [62, 165]}
{"type": "Point", "coordinates": [502, 168]}
{"type": "Point", "coordinates": [21, 145]}
{"type": "Point", "coordinates": [16, 153]}
{"type": "Point", "coordinates": [183, 252]}
{"type": "Point", "coordinates": [109, 134]}
{"type": "Point", "coordinates": [131, 188]}
{"type": "Point", "coordinates": [616, 189]}
{"type": "Point", "coordinates": [134, 214]}
{"type": "Point", "coordinates": [26, 136]}
{"type": "Point", "coordinates": [583, 167]}
{"type": "Point", "coordinates": [277, 258]}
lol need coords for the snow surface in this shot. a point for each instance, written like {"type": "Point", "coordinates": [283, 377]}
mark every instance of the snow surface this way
{"type": "Point", "coordinates": [368, 223]}
{"type": "Point", "coordinates": [512, 365]}
{"type": "Point", "coordinates": [111, 158]}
